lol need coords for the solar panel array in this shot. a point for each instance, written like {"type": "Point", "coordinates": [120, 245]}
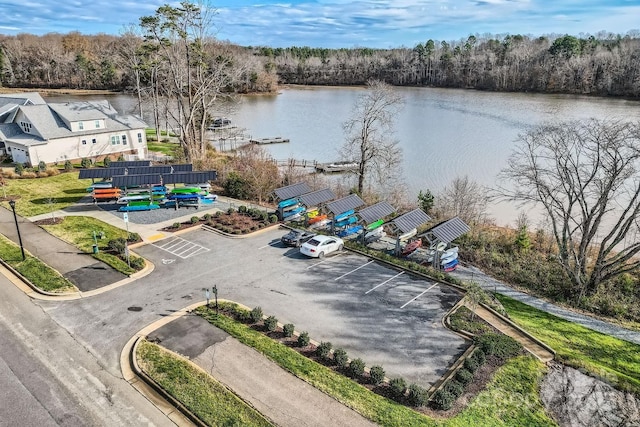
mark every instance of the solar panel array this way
{"type": "Point", "coordinates": [130, 163]}
{"type": "Point", "coordinates": [102, 173]}
{"type": "Point", "coordinates": [315, 198]}
{"type": "Point", "coordinates": [111, 171]}
{"type": "Point", "coordinates": [351, 202]}
{"type": "Point", "coordinates": [450, 230]}
{"type": "Point", "coordinates": [411, 220]}
{"type": "Point", "coordinates": [166, 178]}
{"type": "Point", "coordinates": [291, 191]}
{"type": "Point", "coordinates": [376, 212]}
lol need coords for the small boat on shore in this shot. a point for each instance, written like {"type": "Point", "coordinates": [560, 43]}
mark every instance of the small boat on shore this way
{"type": "Point", "coordinates": [318, 218]}
{"type": "Point", "coordinates": [411, 247]}
{"type": "Point", "coordinates": [347, 221]}
{"type": "Point", "coordinates": [350, 230]}
{"type": "Point", "coordinates": [375, 225]}
{"type": "Point", "coordinates": [343, 215]}
{"type": "Point", "coordinates": [287, 203]}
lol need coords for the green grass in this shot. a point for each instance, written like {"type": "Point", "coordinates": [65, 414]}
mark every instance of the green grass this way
{"type": "Point", "coordinates": [612, 359]}
{"type": "Point", "coordinates": [38, 273]}
{"type": "Point", "coordinates": [42, 195]}
{"type": "Point", "coordinates": [515, 383]}
{"type": "Point", "coordinates": [167, 148]}
{"type": "Point", "coordinates": [202, 395]}
{"type": "Point", "coordinates": [78, 231]}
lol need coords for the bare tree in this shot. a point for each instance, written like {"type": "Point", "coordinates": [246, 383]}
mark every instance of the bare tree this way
{"type": "Point", "coordinates": [195, 70]}
{"type": "Point", "coordinates": [463, 198]}
{"type": "Point", "coordinates": [584, 175]}
{"type": "Point", "coordinates": [369, 133]}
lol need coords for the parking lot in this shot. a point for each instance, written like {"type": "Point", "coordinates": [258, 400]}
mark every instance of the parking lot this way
{"type": "Point", "coordinates": [382, 315]}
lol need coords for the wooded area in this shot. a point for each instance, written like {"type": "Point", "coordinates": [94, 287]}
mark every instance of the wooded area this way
{"type": "Point", "coordinates": [605, 64]}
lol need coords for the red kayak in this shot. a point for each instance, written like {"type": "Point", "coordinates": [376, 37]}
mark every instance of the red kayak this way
{"type": "Point", "coordinates": [411, 247]}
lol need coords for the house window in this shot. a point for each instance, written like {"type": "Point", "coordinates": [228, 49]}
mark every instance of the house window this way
{"type": "Point", "coordinates": [139, 138]}
{"type": "Point", "coordinates": [115, 140]}
{"type": "Point", "coordinates": [80, 125]}
{"type": "Point", "coordinates": [124, 139]}
{"type": "Point", "coordinates": [93, 140]}
{"type": "Point", "coordinates": [97, 124]}
{"type": "Point", "coordinates": [84, 142]}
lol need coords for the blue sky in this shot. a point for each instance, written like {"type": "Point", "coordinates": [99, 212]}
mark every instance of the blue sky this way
{"type": "Point", "coordinates": [338, 23]}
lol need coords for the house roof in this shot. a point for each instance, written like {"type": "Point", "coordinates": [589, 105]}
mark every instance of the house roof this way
{"type": "Point", "coordinates": [23, 98]}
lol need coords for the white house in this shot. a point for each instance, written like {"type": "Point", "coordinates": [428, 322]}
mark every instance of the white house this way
{"type": "Point", "coordinates": [33, 131]}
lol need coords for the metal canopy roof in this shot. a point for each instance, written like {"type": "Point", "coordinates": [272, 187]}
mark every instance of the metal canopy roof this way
{"type": "Point", "coordinates": [132, 164]}
{"type": "Point", "coordinates": [352, 201]}
{"type": "Point", "coordinates": [167, 178]}
{"type": "Point", "coordinates": [100, 173]}
{"type": "Point", "coordinates": [450, 230]}
{"type": "Point", "coordinates": [376, 212]}
{"type": "Point", "coordinates": [411, 220]}
{"type": "Point", "coordinates": [317, 197]}
{"type": "Point", "coordinates": [186, 167]}
{"type": "Point", "coordinates": [146, 170]}
{"type": "Point", "coordinates": [293, 190]}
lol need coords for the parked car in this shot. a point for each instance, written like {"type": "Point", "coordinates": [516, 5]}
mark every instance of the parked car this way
{"type": "Point", "coordinates": [296, 238]}
{"type": "Point", "coordinates": [320, 245]}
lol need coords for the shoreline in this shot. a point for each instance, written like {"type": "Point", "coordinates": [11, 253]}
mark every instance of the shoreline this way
{"type": "Point", "coordinates": [59, 91]}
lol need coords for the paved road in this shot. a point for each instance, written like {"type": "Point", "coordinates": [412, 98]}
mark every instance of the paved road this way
{"type": "Point", "coordinates": [48, 378]}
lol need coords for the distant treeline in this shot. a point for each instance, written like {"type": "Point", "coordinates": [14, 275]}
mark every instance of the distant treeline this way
{"type": "Point", "coordinates": [605, 65]}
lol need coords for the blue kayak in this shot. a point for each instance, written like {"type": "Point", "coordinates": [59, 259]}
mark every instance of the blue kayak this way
{"type": "Point", "coordinates": [292, 212]}
{"type": "Point", "coordinates": [344, 215]}
{"type": "Point", "coordinates": [350, 230]}
{"type": "Point", "coordinates": [347, 221]}
{"type": "Point", "coordinates": [288, 202]}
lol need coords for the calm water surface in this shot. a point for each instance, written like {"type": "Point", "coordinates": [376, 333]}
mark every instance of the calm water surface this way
{"type": "Point", "coordinates": [443, 133]}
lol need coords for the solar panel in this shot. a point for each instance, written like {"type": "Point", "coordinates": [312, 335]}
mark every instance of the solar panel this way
{"type": "Point", "coordinates": [186, 167]}
{"type": "Point", "coordinates": [121, 181]}
{"type": "Point", "coordinates": [376, 212]}
{"type": "Point", "coordinates": [317, 197]}
{"type": "Point", "coordinates": [291, 191]}
{"type": "Point", "coordinates": [352, 201]}
{"type": "Point", "coordinates": [411, 220]}
{"type": "Point", "coordinates": [131, 163]}
{"type": "Point", "coordinates": [167, 178]}
{"type": "Point", "coordinates": [102, 173]}
{"type": "Point", "coordinates": [145, 170]}
{"type": "Point", "coordinates": [450, 230]}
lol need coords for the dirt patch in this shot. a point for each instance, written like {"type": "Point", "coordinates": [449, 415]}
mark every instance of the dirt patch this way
{"type": "Point", "coordinates": [49, 221]}
{"type": "Point", "coordinates": [578, 400]}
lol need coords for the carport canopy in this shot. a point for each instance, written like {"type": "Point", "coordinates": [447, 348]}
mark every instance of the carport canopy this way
{"type": "Point", "coordinates": [351, 202]}
{"type": "Point", "coordinates": [103, 173]}
{"type": "Point", "coordinates": [110, 172]}
{"type": "Point", "coordinates": [316, 198]}
{"type": "Point", "coordinates": [376, 212]}
{"type": "Point", "coordinates": [164, 178]}
{"type": "Point", "coordinates": [130, 164]}
{"type": "Point", "coordinates": [291, 191]}
{"type": "Point", "coordinates": [447, 231]}
{"type": "Point", "coordinates": [410, 220]}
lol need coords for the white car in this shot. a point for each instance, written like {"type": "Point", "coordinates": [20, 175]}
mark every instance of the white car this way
{"type": "Point", "coordinates": [321, 245]}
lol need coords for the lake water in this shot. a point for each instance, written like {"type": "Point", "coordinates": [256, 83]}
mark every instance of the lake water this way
{"type": "Point", "coordinates": [444, 133]}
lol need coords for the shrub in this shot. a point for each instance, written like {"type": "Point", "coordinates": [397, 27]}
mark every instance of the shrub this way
{"type": "Point", "coordinates": [195, 220]}
{"type": "Point", "coordinates": [288, 329]}
{"type": "Point", "coordinates": [398, 387]}
{"type": "Point", "coordinates": [376, 374]}
{"type": "Point", "coordinates": [498, 345]}
{"type": "Point", "coordinates": [121, 158]}
{"type": "Point", "coordinates": [356, 368]}
{"type": "Point", "coordinates": [217, 214]}
{"type": "Point", "coordinates": [418, 396]}
{"type": "Point", "coordinates": [28, 175]}
{"type": "Point", "coordinates": [176, 225]}
{"type": "Point", "coordinates": [340, 357]}
{"type": "Point", "coordinates": [242, 209]}
{"type": "Point", "coordinates": [42, 166]}
{"type": "Point", "coordinates": [19, 169]}
{"type": "Point", "coordinates": [303, 339]}
{"type": "Point", "coordinates": [463, 376]}
{"type": "Point", "coordinates": [256, 314]}
{"type": "Point", "coordinates": [230, 211]}
{"type": "Point", "coordinates": [207, 217]}
{"type": "Point", "coordinates": [442, 399]}
{"type": "Point", "coordinates": [273, 219]}
{"type": "Point", "coordinates": [270, 323]}
{"type": "Point", "coordinates": [133, 237]}
{"type": "Point", "coordinates": [479, 356]}
{"type": "Point", "coordinates": [137, 263]}
{"type": "Point", "coordinates": [264, 216]}
{"type": "Point", "coordinates": [324, 349]}
{"type": "Point", "coordinates": [68, 166]}
{"type": "Point", "coordinates": [52, 172]}
{"type": "Point", "coordinates": [106, 162]}
{"type": "Point", "coordinates": [117, 245]}
{"type": "Point", "coordinates": [471, 365]}
{"type": "Point", "coordinates": [85, 163]}
{"type": "Point", "coordinates": [455, 388]}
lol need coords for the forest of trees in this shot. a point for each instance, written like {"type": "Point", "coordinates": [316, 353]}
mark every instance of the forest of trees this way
{"type": "Point", "coordinates": [605, 64]}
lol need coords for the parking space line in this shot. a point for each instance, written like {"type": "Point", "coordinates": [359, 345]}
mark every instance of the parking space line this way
{"type": "Point", "coordinates": [273, 245]}
{"type": "Point", "coordinates": [181, 248]}
{"type": "Point", "coordinates": [423, 292]}
{"type": "Point", "coordinates": [324, 260]}
{"type": "Point", "coordinates": [385, 282]}
{"type": "Point", "coordinates": [355, 269]}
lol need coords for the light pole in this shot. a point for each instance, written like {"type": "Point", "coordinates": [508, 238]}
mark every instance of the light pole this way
{"type": "Point", "coordinates": [12, 203]}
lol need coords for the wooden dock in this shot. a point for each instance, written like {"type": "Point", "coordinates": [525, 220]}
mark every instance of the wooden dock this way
{"type": "Point", "coordinates": [274, 140]}
{"type": "Point", "coordinates": [336, 167]}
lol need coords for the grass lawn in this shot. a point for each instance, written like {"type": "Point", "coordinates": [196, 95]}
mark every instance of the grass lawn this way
{"type": "Point", "coordinates": [42, 195]}
{"type": "Point", "coordinates": [166, 148]}
{"type": "Point", "coordinates": [615, 360]}
{"type": "Point", "coordinates": [78, 231]}
{"type": "Point", "coordinates": [510, 400]}
{"type": "Point", "coordinates": [38, 273]}
{"type": "Point", "coordinates": [205, 397]}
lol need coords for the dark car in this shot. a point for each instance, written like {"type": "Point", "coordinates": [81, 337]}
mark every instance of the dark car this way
{"type": "Point", "coordinates": [296, 237]}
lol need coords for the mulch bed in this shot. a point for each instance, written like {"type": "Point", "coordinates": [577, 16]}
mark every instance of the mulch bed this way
{"type": "Point", "coordinates": [49, 221]}
{"type": "Point", "coordinates": [234, 223]}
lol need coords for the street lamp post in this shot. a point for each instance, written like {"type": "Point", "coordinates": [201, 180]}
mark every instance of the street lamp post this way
{"type": "Point", "coordinates": [12, 203]}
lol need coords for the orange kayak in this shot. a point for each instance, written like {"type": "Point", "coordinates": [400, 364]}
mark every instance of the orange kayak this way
{"type": "Point", "coordinates": [317, 218]}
